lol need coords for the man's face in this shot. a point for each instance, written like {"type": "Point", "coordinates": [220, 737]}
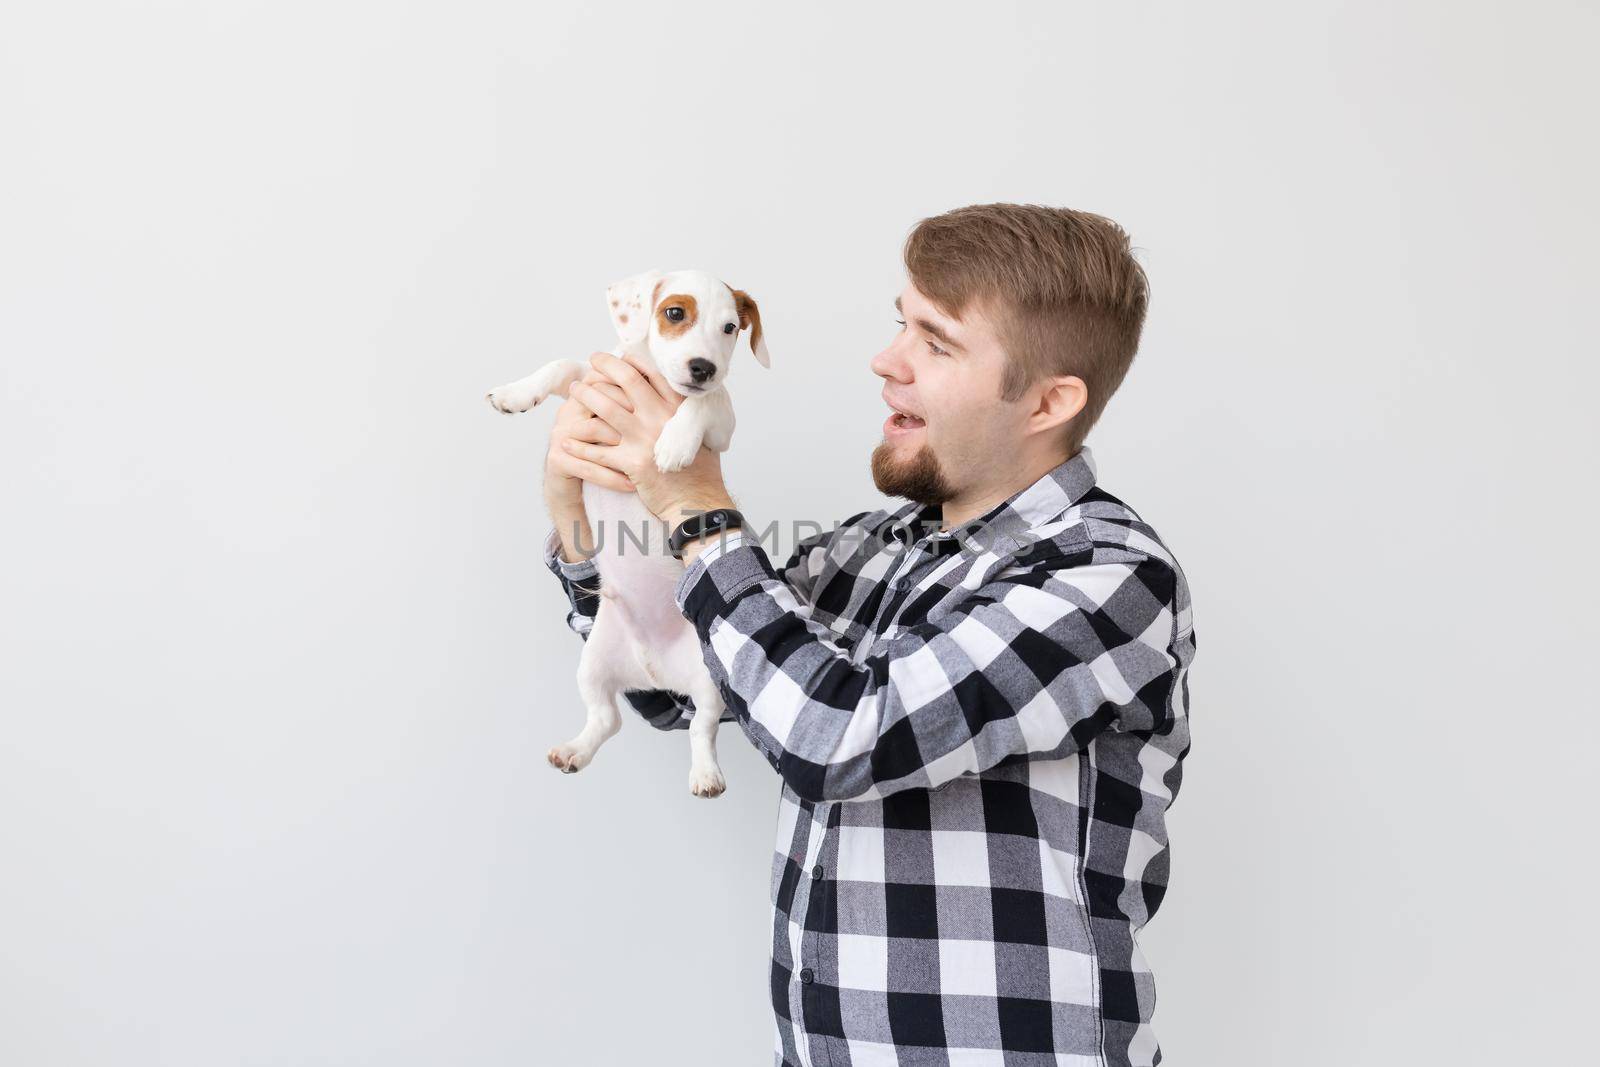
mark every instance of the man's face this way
{"type": "Point", "coordinates": [955, 434]}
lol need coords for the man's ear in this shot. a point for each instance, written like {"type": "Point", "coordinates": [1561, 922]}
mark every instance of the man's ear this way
{"type": "Point", "coordinates": [632, 301]}
{"type": "Point", "coordinates": [750, 319]}
{"type": "Point", "coordinates": [1063, 397]}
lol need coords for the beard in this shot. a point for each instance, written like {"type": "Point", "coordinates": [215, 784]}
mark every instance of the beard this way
{"type": "Point", "coordinates": [919, 479]}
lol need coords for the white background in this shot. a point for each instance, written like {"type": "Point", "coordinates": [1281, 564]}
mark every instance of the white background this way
{"type": "Point", "coordinates": [280, 664]}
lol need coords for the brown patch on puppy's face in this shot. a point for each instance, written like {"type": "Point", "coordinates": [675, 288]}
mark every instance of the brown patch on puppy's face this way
{"type": "Point", "coordinates": [676, 314]}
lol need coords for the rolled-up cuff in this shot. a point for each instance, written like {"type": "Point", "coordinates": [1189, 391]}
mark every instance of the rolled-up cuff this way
{"type": "Point", "coordinates": [580, 571]}
{"type": "Point", "coordinates": [715, 580]}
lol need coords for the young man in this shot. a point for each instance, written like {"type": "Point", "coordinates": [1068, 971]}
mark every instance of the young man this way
{"type": "Point", "coordinates": [977, 702]}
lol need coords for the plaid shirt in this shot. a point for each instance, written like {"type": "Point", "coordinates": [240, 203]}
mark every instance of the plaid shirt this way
{"type": "Point", "coordinates": [979, 732]}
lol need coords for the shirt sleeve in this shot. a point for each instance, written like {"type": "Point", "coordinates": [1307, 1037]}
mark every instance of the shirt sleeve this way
{"type": "Point", "coordinates": [1034, 664]}
{"type": "Point", "coordinates": [580, 581]}
{"type": "Point", "coordinates": [804, 564]}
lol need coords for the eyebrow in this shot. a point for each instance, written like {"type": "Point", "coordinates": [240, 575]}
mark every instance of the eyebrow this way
{"type": "Point", "coordinates": [928, 326]}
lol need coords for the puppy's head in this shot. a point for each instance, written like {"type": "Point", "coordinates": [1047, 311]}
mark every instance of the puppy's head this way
{"type": "Point", "coordinates": [690, 320]}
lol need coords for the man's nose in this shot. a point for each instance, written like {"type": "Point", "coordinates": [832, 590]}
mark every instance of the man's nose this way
{"type": "Point", "coordinates": [702, 370]}
{"type": "Point", "coordinates": [890, 363]}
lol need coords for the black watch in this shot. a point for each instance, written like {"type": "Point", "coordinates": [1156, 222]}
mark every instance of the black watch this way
{"type": "Point", "coordinates": [700, 525]}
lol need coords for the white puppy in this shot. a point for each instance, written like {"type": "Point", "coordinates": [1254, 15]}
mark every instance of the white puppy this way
{"type": "Point", "coordinates": [685, 323]}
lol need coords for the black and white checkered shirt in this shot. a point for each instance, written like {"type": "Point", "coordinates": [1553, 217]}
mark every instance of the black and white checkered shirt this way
{"type": "Point", "coordinates": [979, 733]}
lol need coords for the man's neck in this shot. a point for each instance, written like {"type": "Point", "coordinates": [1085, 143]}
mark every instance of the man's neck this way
{"type": "Point", "coordinates": [965, 507]}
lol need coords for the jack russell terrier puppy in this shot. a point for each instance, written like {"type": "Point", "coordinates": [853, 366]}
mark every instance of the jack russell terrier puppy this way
{"type": "Point", "coordinates": [686, 323]}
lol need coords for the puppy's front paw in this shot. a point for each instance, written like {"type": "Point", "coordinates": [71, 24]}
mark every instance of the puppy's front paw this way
{"type": "Point", "coordinates": [675, 448]}
{"type": "Point", "coordinates": [511, 399]}
{"type": "Point", "coordinates": [707, 781]}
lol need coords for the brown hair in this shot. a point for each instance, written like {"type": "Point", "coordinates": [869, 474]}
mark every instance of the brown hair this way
{"type": "Point", "coordinates": [1061, 286]}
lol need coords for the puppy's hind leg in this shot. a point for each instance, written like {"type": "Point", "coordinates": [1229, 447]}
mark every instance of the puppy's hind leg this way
{"type": "Point", "coordinates": [525, 393]}
{"type": "Point", "coordinates": [684, 670]}
{"type": "Point", "coordinates": [600, 682]}
{"type": "Point", "coordinates": [705, 775]}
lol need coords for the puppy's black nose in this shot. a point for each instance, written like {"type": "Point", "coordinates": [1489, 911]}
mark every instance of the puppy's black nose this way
{"type": "Point", "coordinates": [702, 370]}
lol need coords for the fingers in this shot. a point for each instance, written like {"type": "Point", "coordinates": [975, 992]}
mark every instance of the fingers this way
{"type": "Point", "coordinates": [571, 414]}
{"type": "Point", "coordinates": [604, 385]}
{"type": "Point", "coordinates": [639, 388]}
{"type": "Point", "coordinates": [600, 455]}
{"type": "Point", "coordinates": [602, 403]}
{"type": "Point", "coordinates": [600, 380]}
{"type": "Point", "coordinates": [615, 392]}
{"type": "Point", "coordinates": [655, 378]}
{"type": "Point", "coordinates": [589, 471]}
{"type": "Point", "coordinates": [597, 431]}
{"type": "Point", "coordinates": [583, 450]}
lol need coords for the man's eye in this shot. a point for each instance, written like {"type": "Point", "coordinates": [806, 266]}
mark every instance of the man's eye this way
{"type": "Point", "coordinates": [729, 328]}
{"type": "Point", "coordinates": [901, 321]}
{"type": "Point", "coordinates": [936, 350]}
{"type": "Point", "coordinates": [674, 314]}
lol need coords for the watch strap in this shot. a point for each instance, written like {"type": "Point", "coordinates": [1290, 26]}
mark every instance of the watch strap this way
{"type": "Point", "coordinates": [699, 525]}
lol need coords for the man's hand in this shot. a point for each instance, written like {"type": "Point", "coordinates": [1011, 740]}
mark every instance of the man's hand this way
{"type": "Point", "coordinates": [564, 472]}
{"type": "Point", "coordinates": [637, 418]}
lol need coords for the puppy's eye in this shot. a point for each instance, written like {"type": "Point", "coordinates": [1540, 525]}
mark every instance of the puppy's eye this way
{"type": "Point", "coordinates": [729, 328]}
{"type": "Point", "coordinates": [674, 314]}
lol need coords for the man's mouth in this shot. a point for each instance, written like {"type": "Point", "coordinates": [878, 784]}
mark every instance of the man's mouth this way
{"type": "Point", "coordinates": [901, 422]}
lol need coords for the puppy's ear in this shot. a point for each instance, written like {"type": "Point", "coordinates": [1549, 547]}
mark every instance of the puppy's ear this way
{"type": "Point", "coordinates": [631, 302]}
{"type": "Point", "coordinates": [750, 319]}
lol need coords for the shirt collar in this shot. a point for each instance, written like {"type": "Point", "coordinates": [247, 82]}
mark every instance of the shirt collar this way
{"type": "Point", "coordinates": [1003, 528]}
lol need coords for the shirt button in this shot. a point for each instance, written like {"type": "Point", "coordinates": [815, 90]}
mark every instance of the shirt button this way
{"type": "Point", "coordinates": [806, 976]}
{"type": "Point", "coordinates": [816, 872]}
